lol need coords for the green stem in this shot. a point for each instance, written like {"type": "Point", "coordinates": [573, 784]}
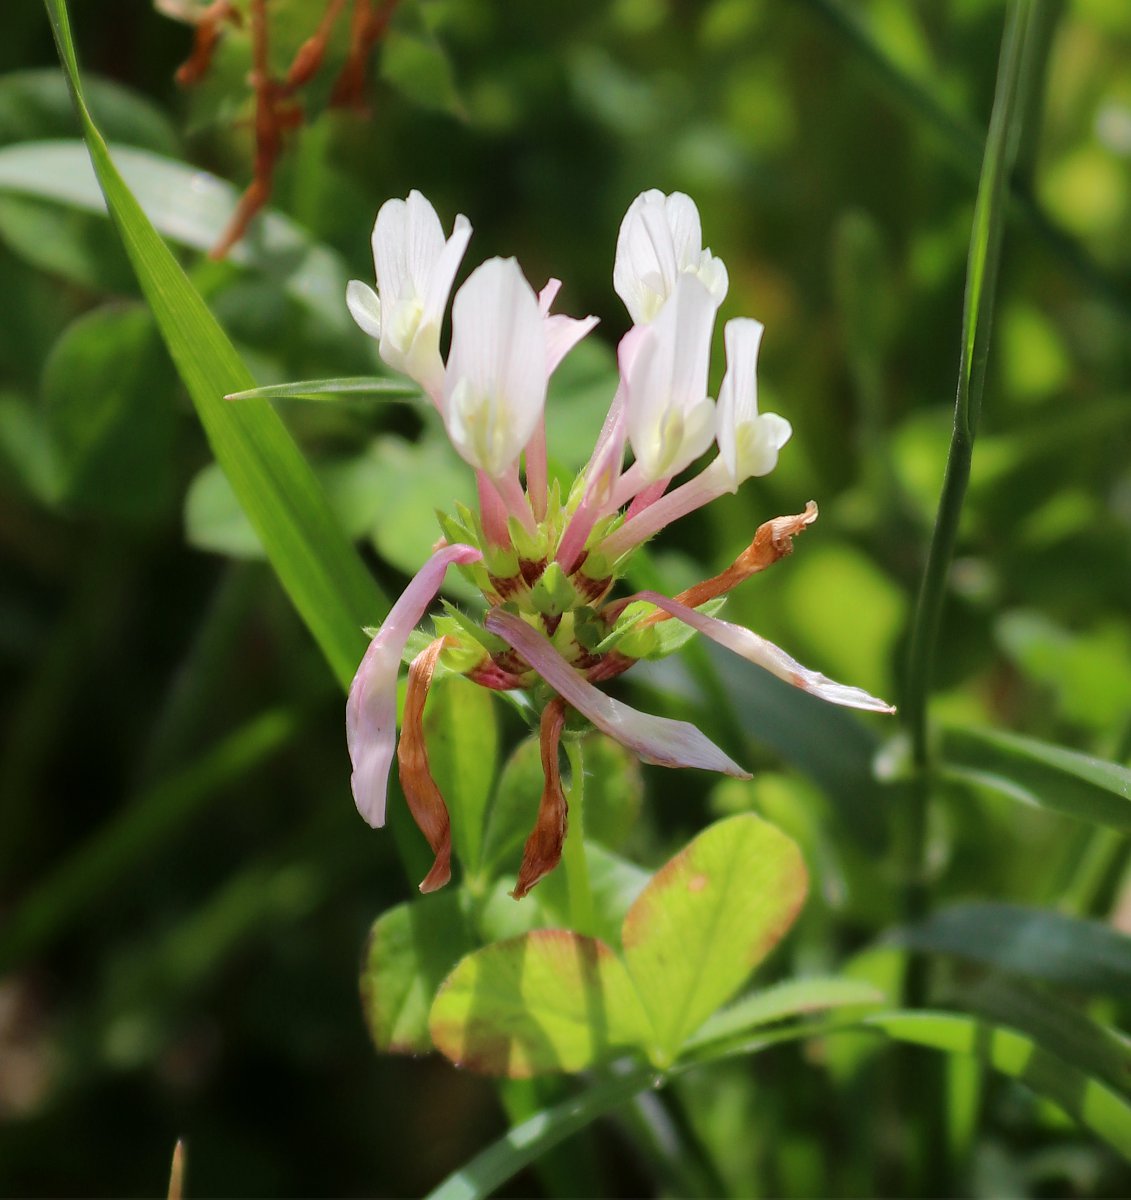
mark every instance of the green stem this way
{"type": "Point", "coordinates": [573, 853]}
{"type": "Point", "coordinates": [981, 284]}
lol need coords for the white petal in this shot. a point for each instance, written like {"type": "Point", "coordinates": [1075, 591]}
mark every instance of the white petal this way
{"type": "Point", "coordinates": [495, 383]}
{"type": "Point", "coordinates": [390, 262]}
{"type": "Point", "coordinates": [371, 710]}
{"type": "Point", "coordinates": [667, 384]}
{"type": "Point", "coordinates": [658, 740]}
{"type": "Point", "coordinates": [686, 231]}
{"type": "Point", "coordinates": [659, 240]}
{"type": "Point", "coordinates": [442, 273]}
{"type": "Point", "coordinates": [423, 242]}
{"type": "Point", "coordinates": [762, 653]}
{"type": "Point", "coordinates": [364, 306]}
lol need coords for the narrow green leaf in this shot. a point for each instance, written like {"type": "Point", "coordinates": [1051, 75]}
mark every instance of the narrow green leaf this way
{"type": "Point", "coordinates": [550, 1000]}
{"type": "Point", "coordinates": [320, 570]}
{"type": "Point", "coordinates": [1038, 943]}
{"type": "Point", "coordinates": [1040, 774]}
{"type": "Point", "coordinates": [1057, 1025]}
{"type": "Point", "coordinates": [462, 734]}
{"type": "Point", "coordinates": [410, 951]}
{"type": "Point", "coordinates": [1084, 1097]}
{"type": "Point", "coordinates": [792, 998]}
{"type": "Point", "coordinates": [707, 919]}
{"type": "Point", "coordinates": [324, 389]}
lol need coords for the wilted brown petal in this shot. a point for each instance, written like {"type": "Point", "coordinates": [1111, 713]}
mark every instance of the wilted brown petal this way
{"type": "Point", "coordinates": [544, 845]}
{"type": "Point", "coordinates": [773, 540]}
{"type": "Point", "coordinates": [424, 800]}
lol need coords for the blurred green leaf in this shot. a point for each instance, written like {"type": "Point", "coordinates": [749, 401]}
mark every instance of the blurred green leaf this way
{"type": "Point", "coordinates": [37, 104]}
{"type": "Point", "coordinates": [190, 207]}
{"type": "Point", "coordinates": [409, 952]}
{"type": "Point", "coordinates": [550, 1000]}
{"type": "Point", "coordinates": [109, 421]}
{"type": "Point", "coordinates": [1058, 1026]}
{"type": "Point", "coordinates": [1080, 1094]}
{"type": "Point", "coordinates": [416, 65]}
{"type": "Point", "coordinates": [707, 919]}
{"type": "Point", "coordinates": [1089, 674]}
{"type": "Point", "coordinates": [414, 480]}
{"type": "Point", "coordinates": [1041, 944]}
{"type": "Point", "coordinates": [462, 735]}
{"type": "Point", "coordinates": [322, 573]}
{"type": "Point", "coordinates": [1037, 773]}
{"type": "Point", "coordinates": [215, 520]}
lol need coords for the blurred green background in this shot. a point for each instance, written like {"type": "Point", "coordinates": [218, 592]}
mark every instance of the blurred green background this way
{"type": "Point", "coordinates": [184, 883]}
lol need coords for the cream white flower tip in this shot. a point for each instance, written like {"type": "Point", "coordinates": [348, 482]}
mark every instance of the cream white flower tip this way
{"type": "Point", "coordinates": [757, 650]}
{"type": "Point", "coordinates": [669, 416]}
{"type": "Point", "coordinates": [495, 383]}
{"type": "Point", "coordinates": [661, 239]}
{"type": "Point", "coordinates": [749, 441]}
{"type": "Point", "coordinates": [371, 709]}
{"type": "Point", "coordinates": [658, 740]}
{"type": "Point", "coordinates": [415, 268]}
{"type": "Point", "coordinates": [365, 307]}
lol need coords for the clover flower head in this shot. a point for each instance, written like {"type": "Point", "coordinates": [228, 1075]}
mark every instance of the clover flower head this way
{"type": "Point", "coordinates": [546, 559]}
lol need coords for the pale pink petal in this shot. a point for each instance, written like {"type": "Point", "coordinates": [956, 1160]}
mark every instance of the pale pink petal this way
{"type": "Point", "coordinates": [562, 334]}
{"type": "Point", "coordinates": [548, 295]}
{"type": "Point", "coordinates": [765, 654]}
{"type": "Point", "coordinates": [371, 710]}
{"type": "Point", "coordinates": [658, 740]}
{"type": "Point", "coordinates": [536, 470]}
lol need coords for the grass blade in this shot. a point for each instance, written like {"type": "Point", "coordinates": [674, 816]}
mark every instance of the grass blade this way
{"type": "Point", "coordinates": [328, 389]}
{"type": "Point", "coordinates": [321, 572]}
{"type": "Point", "coordinates": [1034, 772]}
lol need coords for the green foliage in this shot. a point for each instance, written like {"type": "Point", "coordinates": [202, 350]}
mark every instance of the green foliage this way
{"type": "Point", "coordinates": [185, 882]}
{"type": "Point", "coordinates": [557, 1001]}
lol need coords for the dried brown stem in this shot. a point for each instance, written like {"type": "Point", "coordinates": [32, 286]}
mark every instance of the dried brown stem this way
{"type": "Point", "coordinates": [420, 791]}
{"type": "Point", "coordinates": [543, 850]}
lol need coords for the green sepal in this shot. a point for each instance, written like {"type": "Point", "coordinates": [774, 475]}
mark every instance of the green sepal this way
{"type": "Point", "coordinates": [455, 531]}
{"type": "Point", "coordinates": [531, 547]}
{"type": "Point", "coordinates": [553, 594]}
{"type": "Point", "coordinates": [469, 627]}
{"type": "Point", "coordinates": [500, 561]}
{"type": "Point", "coordinates": [653, 641]}
{"type": "Point", "coordinates": [588, 629]}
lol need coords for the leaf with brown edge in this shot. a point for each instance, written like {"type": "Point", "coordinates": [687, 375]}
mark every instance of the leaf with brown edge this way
{"type": "Point", "coordinates": [706, 920]}
{"type": "Point", "coordinates": [410, 950]}
{"type": "Point", "coordinates": [550, 1000]}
